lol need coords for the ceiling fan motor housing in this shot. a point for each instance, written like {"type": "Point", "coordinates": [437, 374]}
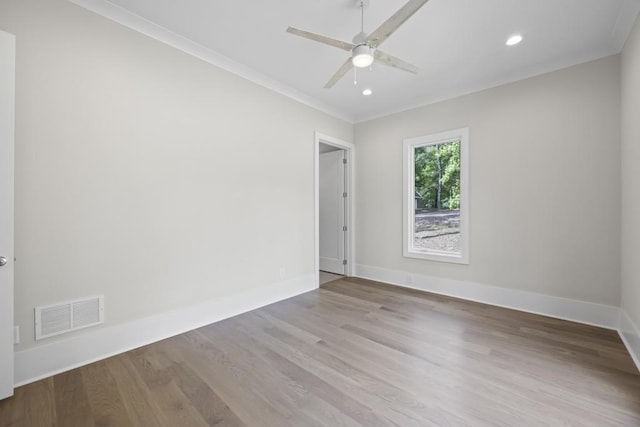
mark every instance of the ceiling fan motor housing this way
{"type": "Point", "coordinates": [360, 38]}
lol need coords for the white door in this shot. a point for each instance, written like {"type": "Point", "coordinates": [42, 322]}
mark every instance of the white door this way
{"type": "Point", "coordinates": [7, 103]}
{"type": "Point", "coordinates": [332, 211]}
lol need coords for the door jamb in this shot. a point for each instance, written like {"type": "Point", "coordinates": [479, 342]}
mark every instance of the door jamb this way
{"type": "Point", "coordinates": [8, 107]}
{"type": "Point", "coordinates": [349, 252]}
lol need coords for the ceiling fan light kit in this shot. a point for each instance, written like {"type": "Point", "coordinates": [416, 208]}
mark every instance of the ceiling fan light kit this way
{"type": "Point", "coordinates": [364, 49]}
{"type": "Point", "coordinates": [362, 56]}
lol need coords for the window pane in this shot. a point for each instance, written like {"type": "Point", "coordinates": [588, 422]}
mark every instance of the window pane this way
{"type": "Point", "coordinates": [437, 198]}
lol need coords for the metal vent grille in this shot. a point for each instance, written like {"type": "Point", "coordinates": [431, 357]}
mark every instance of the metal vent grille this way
{"type": "Point", "coordinates": [69, 316]}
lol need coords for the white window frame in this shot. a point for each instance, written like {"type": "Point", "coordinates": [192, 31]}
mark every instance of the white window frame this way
{"type": "Point", "coordinates": [409, 146]}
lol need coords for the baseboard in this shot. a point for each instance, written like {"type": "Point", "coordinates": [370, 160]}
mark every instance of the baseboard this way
{"type": "Point", "coordinates": [602, 315]}
{"type": "Point", "coordinates": [630, 334]}
{"type": "Point", "coordinates": [45, 360]}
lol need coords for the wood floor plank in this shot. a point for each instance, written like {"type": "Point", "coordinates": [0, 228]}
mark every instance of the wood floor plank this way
{"type": "Point", "coordinates": [71, 400]}
{"type": "Point", "coordinates": [212, 408]}
{"type": "Point", "coordinates": [282, 392]}
{"type": "Point", "coordinates": [353, 353]}
{"type": "Point", "coordinates": [176, 407]}
{"type": "Point", "coordinates": [405, 410]}
{"type": "Point", "coordinates": [140, 407]}
{"type": "Point", "coordinates": [157, 370]}
{"type": "Point", "coordinates": [107, 407]}
{"type": "Point", "coordinates": [313, 385]}
{"type": "Point", "coordinates": [33, 405]}
{"type": "Point", "coordinates": [476, 369]}
{"type": "Point", "coordinates": [348, 406]}
{"type": "Point", "coordinates": [387, 364]}
{"type": "Point", "coordinates": [233, 383]}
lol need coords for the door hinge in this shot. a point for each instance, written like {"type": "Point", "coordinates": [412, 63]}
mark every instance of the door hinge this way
{"type": "Point", "coordinates": [344, 161]}
{"type": "Point", "coordinates": [344, 194]}
{"type": "Point", "coordinates": [344, 228]}
{"type": "Point", "coordinates": [344, 262]}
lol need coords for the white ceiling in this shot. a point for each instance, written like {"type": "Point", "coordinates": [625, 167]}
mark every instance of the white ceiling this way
{"type": "Point", "coordinates": [458, 45]}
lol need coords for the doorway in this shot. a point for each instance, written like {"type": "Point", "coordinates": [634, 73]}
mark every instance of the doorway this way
{"type": "Point", "coordinates": [333, 208]}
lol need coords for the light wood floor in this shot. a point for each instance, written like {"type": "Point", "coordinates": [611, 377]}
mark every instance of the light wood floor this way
{"type": "Point", "coordinates": [352, 353]}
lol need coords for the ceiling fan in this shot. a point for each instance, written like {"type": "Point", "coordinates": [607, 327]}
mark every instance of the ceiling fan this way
{"type": "Point", "coordinates": [364, 49]}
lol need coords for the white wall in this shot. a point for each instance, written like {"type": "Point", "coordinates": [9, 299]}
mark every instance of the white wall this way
{"type": "Point", "coordinates": [631, 176]}
{"type": "Point", "coordinates": [544, 184]}
{"type": "Point", "coordinates": [147, 175]}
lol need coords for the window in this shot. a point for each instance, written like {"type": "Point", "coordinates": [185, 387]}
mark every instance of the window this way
{"type": "Point", "coordinates": [436, 208]}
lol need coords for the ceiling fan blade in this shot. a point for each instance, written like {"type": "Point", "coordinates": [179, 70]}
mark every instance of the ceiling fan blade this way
{"type": "Point", "coordinates": [392, 61]}
{"type": "Point", "coordinates": [339, 74]}
{"type": "Point", "coordinates": [387, 28]}
{"type": "Point", "coordinates": [322, 39]}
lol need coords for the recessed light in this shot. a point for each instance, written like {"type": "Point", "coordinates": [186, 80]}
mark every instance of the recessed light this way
{"type": "Point", "coordinates": [367, 92]}
{"type": "Point", "coordinates": [514, 40]}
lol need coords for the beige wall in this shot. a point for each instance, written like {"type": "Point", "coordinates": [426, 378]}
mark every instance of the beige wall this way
{"type": "Point", "coordinates": [147, 175]}
{"type": "Point", "coordinates": [544, 184]}
{"type": "Point", "coordinates": [631, 175]}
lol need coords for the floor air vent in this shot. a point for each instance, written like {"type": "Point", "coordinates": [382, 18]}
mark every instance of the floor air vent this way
{"type": "Point", "coordinates": [69, 316]}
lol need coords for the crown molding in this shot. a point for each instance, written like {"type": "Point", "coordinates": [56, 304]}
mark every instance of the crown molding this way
{"type": "Point", "coordinates": [130, 20]}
